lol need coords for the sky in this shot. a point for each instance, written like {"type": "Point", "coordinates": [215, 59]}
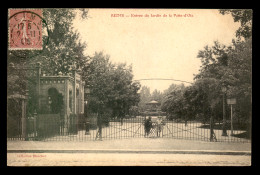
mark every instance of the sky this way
{"type": "Point", "coordinates": [163, 44]}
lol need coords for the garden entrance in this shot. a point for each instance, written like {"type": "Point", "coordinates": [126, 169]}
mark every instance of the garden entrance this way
{"type": "Point", "coordinates": [80, 129]}
{"type": "Point", "coordinates": [45, 120]}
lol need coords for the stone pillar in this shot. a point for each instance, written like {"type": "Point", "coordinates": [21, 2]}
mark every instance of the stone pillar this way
{"type": "Point", "coordinates": [66, 106]}
{"type": "Point", "coordinates": [74, 106]}
{"type": "Point", "coordinates": [74, 102]}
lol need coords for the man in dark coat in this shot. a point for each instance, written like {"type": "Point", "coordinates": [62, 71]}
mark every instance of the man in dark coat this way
{"type": "Point", "coordinates": [147, 126]}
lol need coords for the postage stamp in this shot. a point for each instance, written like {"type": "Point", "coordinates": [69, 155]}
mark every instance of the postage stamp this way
{"type": "Point", "coordinates": [25, 29]}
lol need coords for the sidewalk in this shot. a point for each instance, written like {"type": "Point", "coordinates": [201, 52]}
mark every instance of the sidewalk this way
{"type": "Point", "coordinates": [133, 145]}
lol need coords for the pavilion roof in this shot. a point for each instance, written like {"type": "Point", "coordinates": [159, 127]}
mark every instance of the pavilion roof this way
{"type": "Point", "coordinates": [153, 102]}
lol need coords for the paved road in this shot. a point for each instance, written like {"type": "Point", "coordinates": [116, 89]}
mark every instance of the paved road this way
{"type": "Point", "coordinates": [124, 159]}
{"type": "Point", "coordinates": [166, 144]}
{"type": "Point", "coordinates": [133, 152]}
{"type": "Point", "coordinates": [140, 144]}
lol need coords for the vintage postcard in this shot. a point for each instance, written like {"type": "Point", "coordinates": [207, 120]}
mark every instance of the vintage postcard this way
{"type": "Point", "coordinates": [129, 87]}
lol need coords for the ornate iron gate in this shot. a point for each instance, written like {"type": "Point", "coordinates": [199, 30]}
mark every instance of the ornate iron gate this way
{"type": "Point", "coordinates": [135, 128]}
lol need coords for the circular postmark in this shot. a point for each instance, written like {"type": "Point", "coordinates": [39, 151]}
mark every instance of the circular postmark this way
{"type": "Point", "coordinates": [28, 32]}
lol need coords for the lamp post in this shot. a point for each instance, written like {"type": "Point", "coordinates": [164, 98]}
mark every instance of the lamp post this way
{"type": "Point", "coordinates": [87, 123]}
{"type": "Point", "coordinates": [231, 102]}
{"type": "Point", "coordinates": [224, 131]}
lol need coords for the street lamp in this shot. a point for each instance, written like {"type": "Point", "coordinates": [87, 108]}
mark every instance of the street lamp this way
{"type": "Point", "coordinates": [87, 123]}
{"type": "Point", "coordinates": [224, 90]}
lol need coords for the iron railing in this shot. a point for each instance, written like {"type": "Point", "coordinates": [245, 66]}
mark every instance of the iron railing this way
{"type": "Point", "coordinates": [75, 128]}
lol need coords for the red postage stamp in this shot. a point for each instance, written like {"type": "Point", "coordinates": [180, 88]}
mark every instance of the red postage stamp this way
{"type": "Point", "coordinates": [25, 29]}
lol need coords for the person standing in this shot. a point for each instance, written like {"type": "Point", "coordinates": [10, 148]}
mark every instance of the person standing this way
{"type": "Point", "coordinates": [99, 125]}
{"type": "Point", "coordinates": [147, 126]}
{"type": "Point", "coordinates": [159, 126]}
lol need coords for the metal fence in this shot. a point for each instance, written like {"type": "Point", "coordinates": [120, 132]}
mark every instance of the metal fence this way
{"type": "Point", "coordinates": [195, 130]}
{"type": "Point", "coordinates": [15, 119]}
{"type": "Point", "coordinates": [79, 128]}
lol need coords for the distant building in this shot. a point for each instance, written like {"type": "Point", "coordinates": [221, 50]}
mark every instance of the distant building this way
{"type": "Point", "coordinates": [153, 106]}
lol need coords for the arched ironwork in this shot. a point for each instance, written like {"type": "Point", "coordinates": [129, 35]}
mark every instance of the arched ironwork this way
{"type": "Point", "coordinates": [163, 79]}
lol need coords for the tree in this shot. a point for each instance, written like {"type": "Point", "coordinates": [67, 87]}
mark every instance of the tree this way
{"type": "Point", "coordinates": [134, 111]}
{"type": "Point", "coordinates": [230, 66]}
{"type": "Point", "coordinates": [244, 16]}
{"type": "Point", "coordinates": [124, 94]}
{"type": "Point", "coordinates": [173, 103]}
{"type": "Point", "coordinates": [111, 86]}
{"type": "Point", "coordinates": [64, 49]}
{"type": "Point", "coordinates": [209, 90]}
{"type": "Point", "coordinates": [214, 61]}
{"type": "Point", "coordinates": [214, 72]}
{"type": "Point", "coordinates": [145, 97]}
{"type": "Point", "coordinates": [240, 63]}
{"type": "Point", "coordinates": [195, 99]}
{"type": "Point", "coordinates": [157, 96]}
{"type": "Point", "coordinates": [173, 87]}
